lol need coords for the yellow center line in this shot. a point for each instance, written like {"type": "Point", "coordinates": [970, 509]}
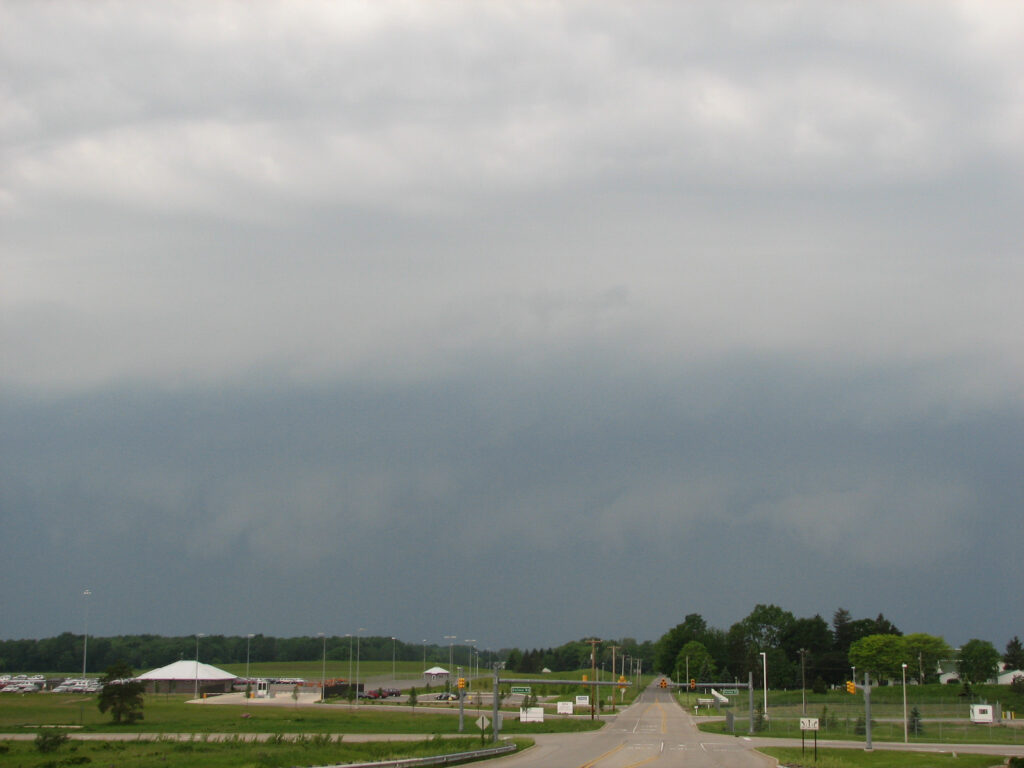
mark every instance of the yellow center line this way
{"type": "Point", "coordinates": [644, 762]}
{"type": "Point", "coordinates": [602, 757]}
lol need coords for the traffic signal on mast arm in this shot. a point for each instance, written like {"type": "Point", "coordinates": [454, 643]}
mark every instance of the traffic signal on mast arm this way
{"type": "Point", "coordinates": [851, 687]}
{"type": "Point", "coordinates": [462, 682]}
{"type": "Point", "coordinates": [663, 683]}
{"type": "Point", "coordinates": [693, 683]}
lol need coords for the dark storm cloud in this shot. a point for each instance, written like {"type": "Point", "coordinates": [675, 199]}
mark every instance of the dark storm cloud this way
{"type": "Point", "coordinates": [442, 316]}
{"type": "Point", "coordinates": [737, 486]}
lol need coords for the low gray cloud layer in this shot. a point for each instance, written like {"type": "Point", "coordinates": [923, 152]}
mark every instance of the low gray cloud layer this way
{"type": "Point", "coordinates": [524, 322]}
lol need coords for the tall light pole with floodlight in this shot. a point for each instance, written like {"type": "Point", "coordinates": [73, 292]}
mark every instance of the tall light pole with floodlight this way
{"type": "Point", "coordinates": [450, 638]}
{"type": "Point", "coordinates": [349, 681]}
{"type": "Point", "coordinates": [323, 662]}
{"type": "Point", "coordinates": [470, 654]}
{"type": "Point", "coordinates": [198, 635]}
{"type": "Point", "coordinates": [248, 679]}
{"type": "Point", "coordinates": [358, 636]}
{"type": "Point", "coordinates": [85, 637]}
{"type": "Point", "coordinates": [906, 734]}
{"type": "Point", "coordinates": [764, 660]}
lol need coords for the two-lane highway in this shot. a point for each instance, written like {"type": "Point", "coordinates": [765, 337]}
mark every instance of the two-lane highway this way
{"type": "Point", "coordinates": [653, 731]}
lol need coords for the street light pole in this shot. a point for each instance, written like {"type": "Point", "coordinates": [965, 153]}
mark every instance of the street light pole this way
{"type": "Point", "coordinates": [764, 660]}
{"type": "Point", "coordinates": [323, 667]}
{"type": "Point", "coordinates": [449, 638]}
{"type": "Point", "coordinates": [358, 637]}
{"type": "Point", "coordinates": [803, 681]}
{"type": "Point", "coordinates": [470, 659]}
{"type": "Point", "coordinates": [248, 679]}
{"type": "Point", "coordinates": [394, 677]}
{"type": "Point", "coordinates": [196, 694]}
{"type": "Point", "coordinates": [349, 681]}
{"type": "Point", "coordinates": [906, 735]}
{"type": "Point", "coordinates": [85, 637]}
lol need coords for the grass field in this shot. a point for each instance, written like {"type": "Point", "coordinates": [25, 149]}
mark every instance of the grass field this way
{"type": "Point", "coordinates": [858, 758]}
{"type": "Point", "coordinates": [945, 715]}
{"type": "Point", "coordinates": [276, 753]}
{"type": "Point", "coordinates": [170, 714]}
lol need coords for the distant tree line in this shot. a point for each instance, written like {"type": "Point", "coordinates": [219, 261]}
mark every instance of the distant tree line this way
{"type": "Point", "coordinates": [63, 653]}
{"type": "Point", "coordinates": [812, 650]}
{"type": "Point", "coordinates": [576, 655]}
{"type": "Point", "coordinates": [825, 651]}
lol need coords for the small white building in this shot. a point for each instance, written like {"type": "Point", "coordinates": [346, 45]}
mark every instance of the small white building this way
{"type": "Point", "coordinates": [436, 675]}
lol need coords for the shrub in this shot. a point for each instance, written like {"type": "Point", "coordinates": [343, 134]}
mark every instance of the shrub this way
{"type": "Point", "coordinates": [49, 741]}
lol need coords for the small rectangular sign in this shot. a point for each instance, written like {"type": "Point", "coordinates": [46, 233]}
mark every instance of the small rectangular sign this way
{"type": "Point", "coordinates": [808, 723]}
{"type": "Point", "coordinates": [565, 707]}
{"type": "Point", "coordinates": [531, 715]}
{"type": "Point", "coordinates": [730, 692]}
{"type": "Point", "coordinates": [582, 701]}
{"type": "Point", "coordinates": [524, 689]}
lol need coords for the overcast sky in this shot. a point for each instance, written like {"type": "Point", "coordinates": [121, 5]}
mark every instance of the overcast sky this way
{"type": "Point", "coordinates": [521, 322]}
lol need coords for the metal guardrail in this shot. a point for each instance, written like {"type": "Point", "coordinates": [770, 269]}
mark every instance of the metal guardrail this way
{"type": "Point", "coordinates": [411, 762]}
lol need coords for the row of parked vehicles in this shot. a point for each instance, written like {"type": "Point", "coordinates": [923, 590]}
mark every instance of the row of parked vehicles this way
{"type": "Point", "coordinates": [34, 683]}
{"type": "Point", "coordinates": [21, 683]}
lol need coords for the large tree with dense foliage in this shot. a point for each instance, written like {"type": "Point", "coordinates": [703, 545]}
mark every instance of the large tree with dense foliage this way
{"type": "Point", "coordinates": [121, 694]}
{"type": "Point", "coordinates": [696, 661]}
{"type": "Point", "coordinates": [923, 653]}
{"type": "Point", "coordinates": [1014, 656]}
{"type": "Point", "coordinates": [666, 650]}
{"type": "Point", "coordinates": [882, 655]}
{"type": "Point", "coordinates": [762, 631]}
{"type": "Point", "coordinates": [977, 661]}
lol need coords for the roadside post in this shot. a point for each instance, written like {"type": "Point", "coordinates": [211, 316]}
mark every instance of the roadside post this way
{"type": "Point", "coordinates": [867, 712]}
{"type": "Point", "coordinates": [809, 724]}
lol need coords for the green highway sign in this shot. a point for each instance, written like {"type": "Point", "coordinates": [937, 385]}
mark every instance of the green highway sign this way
{"type": "Point", "coordinates": [524, 689]}
{"type": "Point", "coordinates": [730, 692]}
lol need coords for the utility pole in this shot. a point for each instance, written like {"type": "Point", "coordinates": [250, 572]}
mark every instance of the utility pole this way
{"type": "Point", "coordinates": [593, 674]}
{"type": "Point", "coordinates": [614, 649]}
{"type": "Point", "coordinates": [803, 681]}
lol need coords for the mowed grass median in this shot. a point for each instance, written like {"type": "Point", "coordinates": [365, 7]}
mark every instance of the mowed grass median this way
{"type": "Point", "coordinates": [233, 753]}
{"type": "Point", "coordinates": [171, 714]}
{"type": "Point", "coordinates": [858, 758]}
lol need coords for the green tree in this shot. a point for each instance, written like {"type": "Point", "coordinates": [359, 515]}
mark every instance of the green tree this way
{"type": "Point", "coordinates": [883, 655]}
{"type": "Point", "coordinates": [121, 693]}
{"type": "Point", "coordinates": [922, 653]}
{"type": "Point", "coordinates": [696, 660]}
{"type": "Point", "coordinates": [977, 661]}
{"type": "Point", "coordinates": [413, 700]}
{"type": "Point", "coordinates": [1014, 656]}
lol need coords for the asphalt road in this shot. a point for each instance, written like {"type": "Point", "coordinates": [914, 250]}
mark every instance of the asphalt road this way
{"type": "Point", "coordinates": [654, 730]}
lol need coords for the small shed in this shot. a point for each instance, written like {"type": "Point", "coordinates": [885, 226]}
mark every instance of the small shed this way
{"type": "Point", "coordinates": [436, 675]}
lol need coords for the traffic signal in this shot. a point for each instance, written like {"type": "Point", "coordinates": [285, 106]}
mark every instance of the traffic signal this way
{"type": "Point", "coordinates": [622, 682]}
{"type": "Point", "coordinates": [693, 683]}
{"type": "Point", "coordinates": [851, 687]}
{"type": "Point", "coordinates": [663, 683]}
{"type": "Point", "coordinates": [462, 682]}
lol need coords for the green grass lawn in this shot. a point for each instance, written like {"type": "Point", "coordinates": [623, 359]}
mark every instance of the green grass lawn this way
{"type": "Point", "coordinates": [170, 714]}
{"type": "Point", "coordinates": [858, 758]}
{"type": "Point", "coordinates": [942, 733]}
{"type": "Point", "coordinates": [231, 754]}
{"type": "Point", "coordinates": [945, 714]}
